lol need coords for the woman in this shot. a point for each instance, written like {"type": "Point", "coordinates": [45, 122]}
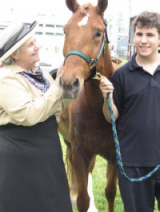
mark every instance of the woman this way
{"type": "Point", "coordinates": [32, 173]}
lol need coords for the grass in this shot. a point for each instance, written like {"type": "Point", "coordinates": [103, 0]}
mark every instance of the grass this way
{"type": "Point", "coordinates": [99, 184]}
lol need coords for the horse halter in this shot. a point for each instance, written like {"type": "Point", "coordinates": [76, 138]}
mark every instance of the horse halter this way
{"type": "Point", "coordinates": [91, 62]}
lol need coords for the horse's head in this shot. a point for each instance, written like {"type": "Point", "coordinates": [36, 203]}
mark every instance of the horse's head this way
{"type": "Point", "coordinates": [84, 39]}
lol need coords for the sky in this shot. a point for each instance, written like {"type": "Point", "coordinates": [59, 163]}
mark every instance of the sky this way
{"type": "Point", "coordinates": [58, 7]}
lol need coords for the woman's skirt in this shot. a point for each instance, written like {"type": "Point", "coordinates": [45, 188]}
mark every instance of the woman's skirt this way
{"type": "Point", "coordinates": [32, 173]}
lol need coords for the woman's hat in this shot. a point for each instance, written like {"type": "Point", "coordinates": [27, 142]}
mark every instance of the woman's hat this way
{"type": "Point", "coordinates": [13, 37]}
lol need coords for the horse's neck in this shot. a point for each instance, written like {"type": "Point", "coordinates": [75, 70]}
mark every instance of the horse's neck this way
{"type": "Point", "coordinates": [107, 67]}
{"type": "Point", "coordinates": [92, 96]}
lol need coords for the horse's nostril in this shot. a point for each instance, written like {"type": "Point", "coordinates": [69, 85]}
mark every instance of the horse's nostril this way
{"type": "Point", "coordinates": [75, 83]}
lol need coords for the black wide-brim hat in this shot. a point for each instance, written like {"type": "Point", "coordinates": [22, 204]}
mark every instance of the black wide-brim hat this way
{"type": "Point", "coordinates": [13, 37]}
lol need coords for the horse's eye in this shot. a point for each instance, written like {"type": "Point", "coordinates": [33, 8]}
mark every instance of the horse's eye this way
{"type": "Point", "coordinates": [98, 34]}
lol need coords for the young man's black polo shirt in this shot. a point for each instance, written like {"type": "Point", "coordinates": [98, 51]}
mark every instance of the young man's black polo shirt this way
{"type": "Point", "coordinates": [137, 97]}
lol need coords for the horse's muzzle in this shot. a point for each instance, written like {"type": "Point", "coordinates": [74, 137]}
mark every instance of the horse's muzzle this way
{"type": "Point", "coordinates": [70, 90]}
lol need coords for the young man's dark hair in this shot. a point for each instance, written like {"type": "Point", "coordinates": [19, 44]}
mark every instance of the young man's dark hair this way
{"type": "Point", "coordinates": [147, 19]}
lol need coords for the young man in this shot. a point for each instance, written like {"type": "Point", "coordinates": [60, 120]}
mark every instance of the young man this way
{"type": "Point", "coordinates": [135, 96]}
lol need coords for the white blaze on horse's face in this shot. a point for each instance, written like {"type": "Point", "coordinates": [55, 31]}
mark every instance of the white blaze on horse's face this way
{"type": "Point", "coordinates": [84, 21]}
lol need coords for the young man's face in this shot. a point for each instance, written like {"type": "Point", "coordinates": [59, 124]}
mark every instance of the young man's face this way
{"type": "Point", "coordinates": [146, 41]}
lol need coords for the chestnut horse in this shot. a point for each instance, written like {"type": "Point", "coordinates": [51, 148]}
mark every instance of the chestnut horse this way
{"type": "Point", "coordinates": [82, 125]}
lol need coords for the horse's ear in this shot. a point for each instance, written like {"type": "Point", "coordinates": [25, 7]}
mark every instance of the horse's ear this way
{"type": "Point", "coordinates": [102, 5]}
{"type": "Point", "coordinates": [72, 5]}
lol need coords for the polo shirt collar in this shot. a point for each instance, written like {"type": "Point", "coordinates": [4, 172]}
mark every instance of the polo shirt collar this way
{"type": "Point", "coordinates": [133, 64]}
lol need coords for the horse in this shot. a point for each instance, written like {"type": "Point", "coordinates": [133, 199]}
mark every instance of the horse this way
{"type": "Point", "coordinates": [82, 125]}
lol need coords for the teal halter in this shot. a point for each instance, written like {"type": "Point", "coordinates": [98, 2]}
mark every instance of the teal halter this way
{"type": "Point", "coordinates": [85, 57]}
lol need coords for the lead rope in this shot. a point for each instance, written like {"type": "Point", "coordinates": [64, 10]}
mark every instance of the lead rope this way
{"type": "Point", "coordinates": [118, 153]}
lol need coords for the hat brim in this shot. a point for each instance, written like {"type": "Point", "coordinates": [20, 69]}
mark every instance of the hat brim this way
{"type": "Point", "coordinates": [19, 43]}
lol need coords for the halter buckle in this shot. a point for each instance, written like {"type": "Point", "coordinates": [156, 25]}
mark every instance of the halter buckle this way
{"type": "Point", "coordinates": [92, 63]}
{"type": "Point", "coordinates": [97, 76]}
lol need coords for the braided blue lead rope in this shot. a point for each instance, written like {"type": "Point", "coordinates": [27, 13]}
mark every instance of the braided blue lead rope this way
{"type": "Point", "coordinates": [118, 153]}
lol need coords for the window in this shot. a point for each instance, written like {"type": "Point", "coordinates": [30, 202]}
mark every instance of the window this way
{"type": "Point", "coordinates": [39, 33]}
{"type": "Point", "coordinates": [28, 24]}
{"type": "Point", "coordinates": [59, 26]}
{"type": "Point", "coordinates": [59, 34]}
{"type": "Point", "coordinates": [49, 33]}
{"type": "Point", "coordinates": [50, 25]}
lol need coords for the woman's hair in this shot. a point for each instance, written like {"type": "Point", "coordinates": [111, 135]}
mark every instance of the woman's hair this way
{"type": "Point", "coordinates": [147, 19]}
{"type": "Point", "coordinates": [10, 60]}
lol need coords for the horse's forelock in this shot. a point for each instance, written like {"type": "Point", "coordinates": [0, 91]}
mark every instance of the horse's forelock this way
{"type": "Point", "coordinates": [87, 6]}
{"type": "Point", "coordinates": [84, 9]}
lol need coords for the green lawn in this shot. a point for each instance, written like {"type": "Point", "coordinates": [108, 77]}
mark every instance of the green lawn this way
{"type": "Point", "coordinates": [99, 183]}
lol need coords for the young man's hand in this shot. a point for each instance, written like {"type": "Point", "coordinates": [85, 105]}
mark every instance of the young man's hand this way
{"type": "Point", "coordinates": [106, 87]}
